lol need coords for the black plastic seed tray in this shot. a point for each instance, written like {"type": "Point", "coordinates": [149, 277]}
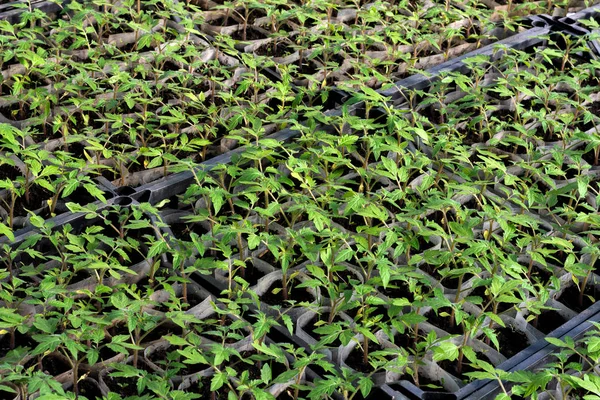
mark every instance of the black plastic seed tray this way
{"type": "Point", "coordinates": [176, 184]}
{"type": "Point", "coordinates": [535, 356]}
{"type": "Point", "coordinates": [542, 27]}
{"type": "Point", "coordinates": [530, 358]}
{"type": "Point", "coordinates": [12, 11]}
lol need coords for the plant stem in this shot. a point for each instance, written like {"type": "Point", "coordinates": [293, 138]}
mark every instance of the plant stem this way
{"type": "Point", "coordinates": [365, 350]}
{"type": "Point", "coordinates": [284, 287]}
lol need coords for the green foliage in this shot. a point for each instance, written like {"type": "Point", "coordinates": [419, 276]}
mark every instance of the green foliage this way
{"type": "Point", "coordinates": [459, 205]}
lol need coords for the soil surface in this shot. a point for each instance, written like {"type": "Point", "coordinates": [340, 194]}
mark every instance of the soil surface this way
{"type": "Point", "coordinates": [548, 321]}
{"type": "Point", "coordinates": [571, 298]}
{"type": "Point", "coordinates": [298, 295]}
{"type": "Point", "coordinates": [511, 341]}
{"type": "Point", "coordinates": [444, 323]}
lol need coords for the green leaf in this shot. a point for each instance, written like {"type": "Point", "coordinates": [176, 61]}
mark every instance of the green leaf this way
{"type": "Point", "coordinates": [445, 351]}
{"type": "Point", "coordinates": [7, 389]}
{"type": "Point", "coordinates": [496, 319]}
{"type": "Point", "coordinates": [368, 334]}
{"type": "Point", "coordinates": [582, 186]}
{"type": "Point", "coordinates": [192, 355]}
{"type": "Point", "coordinates": [556, 341]}
{"type": "Point", "coordinates": [365, 384]}
{"type": "Point", "coordinates": [92, 356]}
{"type": "Point", "coordinates": [261, 394]}
{"type": "Point", "coordinates": [589, 382]}
{"type": "Point", "coordinates": [36, 221]}
{"type": "Point", "coordinates": [265, 373]}
{"type": "Point", "coordinates": [175, 340]}
{"type": "Point", "coordinates": [70, 188]}
{"type": "Point", "coordinates": [218, 381]}
{"type": "Point", "coordinates": [119, 300]}
{"type": "Point", "coordinates": [593, 344]}
{"type": "Point", "coordinates": [6, 231]}
{"type": "Point", "coordinates": [287, 321]}
{"type": "Point", "coordinates": [217, 200]}
{"type": "Point", "coordinates": [158, 247]}
{"type": "Point", "coordinates": [51, 396]}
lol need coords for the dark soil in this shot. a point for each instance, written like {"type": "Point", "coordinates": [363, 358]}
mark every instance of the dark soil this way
{"type": "Point", "coordinates": [162, 358]}
{"type": "Point", "coordinates": [548, 321]}
{"type": "Point", "coordinates": [570, 297]}
{"type": "Point", "coordinates": [21, 340]}
{"type": "Point", "coordinates": [277, 49]}
{"type": "Point", "coordinates": [158, 332]}
{"type": "Point", "coordinates": [540, 275]}
{"type": "Point", "coordinates": [163, 330]}
{"type": "Point", "coordinates": [433, 114]}
{"type": "Point", "coordinates": [182, 230]}
{"type": "Point", "coordinates": [9, 172]}
{"type": "Point", "coordinates": [397, 290]}
{"type": "Point", "coordinates": [268, 257]}
{"type": "Point", "coordinates": [106, 354]}
{"type": "Point", "coordinates": [89, 389]}
{"type": "Point", "coordinates": [81, 196]}
{"type": "Point", "coordinates": [594, 109]}
{"type": "Point", "coordinates": [345, 276]}
{"type": "Point", "coordinates": [452, 283]}
{"type": "Point", "coordinates": [251, 34]}
{"type": "Point", "coordinates": [355, 359]}
{"type": "Point", "coordinates": [123, 386]}
{"type": "Point", "coordinates": [298, 295]}
{"type": "Point", "coordinates": [471, 135]}
{"type": "Point", "coordinates": [511, 341]}
{"type": "Point", "coordinates": [128, 168]}
{"type": "Point", "coordinates": [404, 340]}
{"type": "Point", "coordinates": [511, 148]}
{"type": "Point", "coordinates": [374, 311]}
{"type": "Point", "coordinates": [4, 395]}
{"type": "Point", "coordinates": [255, 368]}
{"type": "Point", "coordinates": [37, 199]}
{"type": "Point", "coordinates": [289, 394]}
{"type": "Point", "coordinates": [250, 274]}
{"type": "Point", "coordinates": [307, 68]}
{"type": "Point", "coordinates": [444, 322]}
{"type": "Point", "coordinates": [505, 2]}
{"type": "Point", "coordinates": [55, 365]}
{"type": "Point", "coordinates": [591, 158]}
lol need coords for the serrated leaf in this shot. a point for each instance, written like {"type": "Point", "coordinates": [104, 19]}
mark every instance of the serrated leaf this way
{"type": "Point", "coordinates": [175, 340]}
{"type": "Point", "coordinates": [556, 342]}
{"type": "Point", "coordinates": [289, 324]}
{"type": "Point", "coordinates": [36, 221]}
{"type": "Point", "coordinates": [217, 381]}
{"type": "Point", "coordinates": [593, 344]}
{"type": "Point", "coordinates": [496, 319]}
{"type": "Point", "coordinates": [445, 351]}
{"type": "Point", "coordinates": [92, 356]}
{"type": "Point", "coordinates": [365, 384]}
{"type": "Point", "coordinates": [266, 374]}
{"type": "Point", "coordinates": [6, 231]}
{"type": "Point", "coordinates": [8, 389]}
